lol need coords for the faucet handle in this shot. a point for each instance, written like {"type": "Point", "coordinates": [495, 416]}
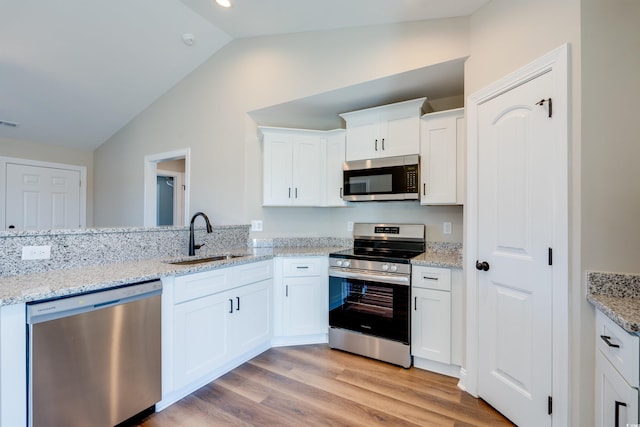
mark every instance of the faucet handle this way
{"type": "Point", "coordinates": [198, 246]}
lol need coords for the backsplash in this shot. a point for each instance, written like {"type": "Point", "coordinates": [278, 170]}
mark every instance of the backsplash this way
{"type": "Point", "coordinates": [83, 247]}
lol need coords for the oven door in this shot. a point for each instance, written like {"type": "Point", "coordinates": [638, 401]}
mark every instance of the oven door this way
{"type": "Point", "coordinates": [373, 304]}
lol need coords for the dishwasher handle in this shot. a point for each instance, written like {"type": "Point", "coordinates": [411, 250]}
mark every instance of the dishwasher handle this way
{"type": "Point", "coordinates": [43, 311]}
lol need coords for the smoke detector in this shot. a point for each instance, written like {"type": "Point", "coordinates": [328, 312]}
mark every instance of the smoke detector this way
{"type": "Point", "coordinates": [187, 39]}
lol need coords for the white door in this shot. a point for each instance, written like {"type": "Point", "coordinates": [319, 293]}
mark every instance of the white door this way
{"type": "Point", "coordinates": [515, 234]}
{"type": "Point", "coordinates": [41, 197]}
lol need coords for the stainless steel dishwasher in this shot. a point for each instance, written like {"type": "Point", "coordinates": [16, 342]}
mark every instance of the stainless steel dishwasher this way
{"type": "Point", "coordinates": [94, 359]}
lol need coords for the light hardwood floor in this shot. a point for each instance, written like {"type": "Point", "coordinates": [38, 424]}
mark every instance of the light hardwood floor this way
{"type": "Point", "coordinates": [316, 386]}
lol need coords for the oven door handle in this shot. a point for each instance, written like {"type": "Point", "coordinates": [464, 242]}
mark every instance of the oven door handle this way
{"type": "Point", "coordinates": [394, 280]}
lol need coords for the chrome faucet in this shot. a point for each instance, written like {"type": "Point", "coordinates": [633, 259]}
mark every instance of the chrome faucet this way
{"type": "Point", "coordinates": [192, 245]}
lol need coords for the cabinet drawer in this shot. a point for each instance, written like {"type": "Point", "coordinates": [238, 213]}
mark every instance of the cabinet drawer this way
{"type": "Point", "coordinates": [307, 266]}
{"type": "Point", "coordinates": [619, 347]}
{"type": "Point", "coordinates": [431, 278]}
{"type": "Point", "coordinates": [252, 272]}
{"type": "Point", "coordinates": [198, 285]}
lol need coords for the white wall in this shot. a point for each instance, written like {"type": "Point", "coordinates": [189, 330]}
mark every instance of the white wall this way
{"type": "Point", "coordinates": [48, 153]}
{"type": "Point", "coordinates": [207, 111]}
{"type": "Point", "coordinates": [605, 195]}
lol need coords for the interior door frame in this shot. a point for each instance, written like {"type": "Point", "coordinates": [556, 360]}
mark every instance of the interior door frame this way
{"type": "Point", "coordinates": [150, 191]}
{"type": "Point", "coordinates": [28, 162]}
{"type": "Point", "coordinates": [556, 61]}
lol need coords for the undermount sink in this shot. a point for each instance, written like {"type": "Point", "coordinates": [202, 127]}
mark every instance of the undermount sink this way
{"type": "Point", "coordinates": [203, 260]}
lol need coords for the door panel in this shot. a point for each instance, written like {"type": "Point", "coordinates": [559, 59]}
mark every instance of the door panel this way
{"type": "Point", "coordinates": [42, 197]}
{"type": "Point", "coordinates": [515, 222]}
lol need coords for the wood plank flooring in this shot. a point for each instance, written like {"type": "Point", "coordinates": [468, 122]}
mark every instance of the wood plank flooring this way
{"type": "Point", "coordinates": [316, 386]}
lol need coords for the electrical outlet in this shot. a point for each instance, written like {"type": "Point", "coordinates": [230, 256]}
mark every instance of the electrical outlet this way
{"type": "Point", "coordinates": [349, 225]}
{"type": "Point", "coordinates": [36, 252]}
{"type": "Point", "coordinates": [256, 225]}
{"type": "Point", "coordinates": [446, 228]}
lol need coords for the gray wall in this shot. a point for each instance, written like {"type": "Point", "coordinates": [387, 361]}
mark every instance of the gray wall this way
{"type": "Point", "coordinates": [208, 110]}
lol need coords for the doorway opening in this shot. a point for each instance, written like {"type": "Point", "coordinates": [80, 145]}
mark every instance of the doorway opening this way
{"type": "Point", "coordinates": [166, 188]}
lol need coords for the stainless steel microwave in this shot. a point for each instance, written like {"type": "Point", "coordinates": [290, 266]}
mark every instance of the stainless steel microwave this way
{"type": "Point", "coordinates": [389, 178]}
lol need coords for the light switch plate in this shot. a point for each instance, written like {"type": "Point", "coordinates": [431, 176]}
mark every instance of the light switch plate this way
{"type": "Point", "coordinates": [256, 225]}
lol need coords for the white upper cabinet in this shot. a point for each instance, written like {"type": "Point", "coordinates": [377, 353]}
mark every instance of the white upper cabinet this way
{"type": "Point", "coordinates": [385, 131]}
{"type": "Point", "coordinates": [302, 167]}
{"type": "Point", "coordinates": [335, 156]}
{"type": "Point", "coordinates": [442, 158]}
{"type": "Point", "coordinates": [293, 171]}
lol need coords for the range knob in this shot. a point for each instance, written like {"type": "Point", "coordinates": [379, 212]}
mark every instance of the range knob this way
{"type": "Point", "coordinates": [393, 268]}
{"type": "Point", "coordinates": [346, 263]}
{"type": "Point", "coordinates": [385, 267]}
{"type": "Point", "coordinates": [339, 263]}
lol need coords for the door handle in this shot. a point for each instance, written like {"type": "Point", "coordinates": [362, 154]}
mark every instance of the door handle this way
{"type": "Point", "coordinates": [376, 145]}
{"type": "Point", "coordinates": [286, 290]}
{"type": "Point", "coordinates": [483, 266]}
{"type": "Point", "coordinates": [237, 303]}
{"type": "Point", "coordinates": [617, 414]}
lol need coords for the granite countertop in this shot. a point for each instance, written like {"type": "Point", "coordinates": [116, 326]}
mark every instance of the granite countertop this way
{"type": "Point", "coordinates": [59, 283]}
{"type": "Point", "coordinates": [617, 296]}
{"type": "Point", "coordinates": [440, 254]}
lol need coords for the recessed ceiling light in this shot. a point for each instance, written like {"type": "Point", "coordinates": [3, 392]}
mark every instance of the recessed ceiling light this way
{"type": "Point", "coordinates": [224, 3]}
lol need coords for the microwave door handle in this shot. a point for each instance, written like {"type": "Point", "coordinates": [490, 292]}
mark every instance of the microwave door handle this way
{"type": "Point", "coordinates": [395, 280]}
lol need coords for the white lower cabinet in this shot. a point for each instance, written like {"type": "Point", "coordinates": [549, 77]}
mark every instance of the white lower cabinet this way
{"type": "Point", "coordinates": [301, 307]}
{"type": "Point", "coordinates": [212, 322]}
{"type": "Point", "coordinates": [437, 319]}
{"type": "Point", "coordinates": [617, 375]}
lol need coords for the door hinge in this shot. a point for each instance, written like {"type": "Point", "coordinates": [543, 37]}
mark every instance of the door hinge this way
{"type": "Point", "coordinates": [550, 256]}
{"type": "Point", "coordinates": [550, 405]}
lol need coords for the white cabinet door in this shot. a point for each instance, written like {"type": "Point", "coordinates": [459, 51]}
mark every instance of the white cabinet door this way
{"type": "Point", "coordinates": [250, 318]}
{"type": "Point", "coordinates": [385, 131]}
{"type": "Point", "coordinates": [293, 168]}
{"type": "Point", "coordinates": [304, 312]}
{"type": "Point", "coordinates": [364, 140]}
{"type": "Point", "coordinates": [400, 136]}
{"type": "Point", "coordinates": [200, 337]}
{"type": "Point", "coordinates": [616, 400]}
{"type": "Point", "coordinates": [335, 146]}
{"type": "Point", "coordinates": [307, 171]}
{"type": "Point", "coordinates": [439, 152]}
{"type": "Point", "coordinates": [431, 325]}
{"type": "Point", "coordinates": [278, 169]}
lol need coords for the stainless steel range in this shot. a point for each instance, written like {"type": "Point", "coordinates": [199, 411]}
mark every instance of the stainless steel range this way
{"type": "Point", "coordinates": [370, 292]}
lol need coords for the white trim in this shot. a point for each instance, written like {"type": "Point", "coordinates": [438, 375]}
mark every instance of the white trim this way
{"type": "Point", "coordinates": [556, 61]}
{"type": "Point", "coordinates": [150, 172]}
{"type": "Point", "coordinates": [82, 170]}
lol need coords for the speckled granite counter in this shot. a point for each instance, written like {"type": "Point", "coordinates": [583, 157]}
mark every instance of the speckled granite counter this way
{"type": "Point", "coordinates": [440, 254]}
{"type": "Point", "coordinates": [617, 296]}
{"type": "Point", "coordinates": [58, 283]}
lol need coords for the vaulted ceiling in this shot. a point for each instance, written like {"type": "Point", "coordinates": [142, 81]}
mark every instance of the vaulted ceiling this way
{"type": "Point", "coordinates": [73, 72]}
